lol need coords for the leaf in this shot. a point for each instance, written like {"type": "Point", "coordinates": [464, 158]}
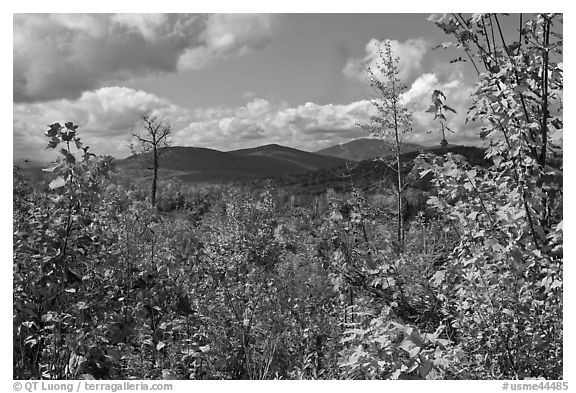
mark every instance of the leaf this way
{"type": "Point", "coordinates": [70, 126]}
{"type": "Point", "coordinates": [408, 346]}
{"type": "Point", "coordinates": [415, 337]}
{"type": "Point", "coordinates": [54, 127]}
{"type": "Point", "coordinates": [438, 277]}
{"type": "Point", "coordinates": [436, 94]}
{"type": "Point", "coordinates": [31, 341]}
{"type": "Point", "coordinates": [57, 183]}
{"type": "Point", "coordinates": [485, 133]}
{"type": "Point", "coordinates": [70, 159]}
{"type": "Point", "coordinates": [512, 47]}
{"type": "Point", "coordinates": [68, 136]}
{"type": "Point", "coordinates": [81, 305]}
{"type": "Point", "coordinates": [73, 276]}
{"type": "Point", "coordinates": [396, 374]}
{"type": "Point", "coordinates": [457, 60]}
{"type": "Point", "coordinates": [53, 143]}
{"type": "Point", "coordinates": [51, 133]}
{"type": "Point", "coordinates": [558, 124]}
{"type": "Point", "coordinates": [444, 342]}
{"type": "Point", "coordinates": [556, 284]}
{"type": "Point", "coordinates": [29, 324]}
{"type": "Point", "coordinates": [476, 17]}
{"type": "Point", "coordinates": [53, 167]}
{"type": "Point", "coordinates": [425, 368]}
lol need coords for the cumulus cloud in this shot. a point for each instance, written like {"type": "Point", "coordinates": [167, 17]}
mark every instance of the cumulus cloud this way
{"type": "Point", "coordinates": [62, 55]}
{"type": "Point", "coordinates": [419, 97]}
{"type": "Point", "coordinates": [106, 117]}
{"type": "Point", "coordinates": [309, 126]}
{"type": "Point", "coordinates": [411, 53]}
{"type": "Point", "coordinates": [448, 78]}
{"type": "Point", "coordinates": [312, 126]}
{"type": "Point", "coordinates": [226, 36]}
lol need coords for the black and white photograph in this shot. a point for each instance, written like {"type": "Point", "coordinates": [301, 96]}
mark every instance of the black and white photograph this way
{"type": "Point", "coordinates": [287, 196]}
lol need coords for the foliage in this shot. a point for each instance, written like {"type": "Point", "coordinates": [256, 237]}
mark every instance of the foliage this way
{"type": "Point", "coordinates": [58, 241]}
{"type": "Point", "coordinates": [507, 269]}
{"type": "Point", "coordinates": [256, 282]}
{"type": "Point", "coordinates": [382, 348]}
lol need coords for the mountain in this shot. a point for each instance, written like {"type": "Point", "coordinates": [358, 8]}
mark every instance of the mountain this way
{"type": "Point", "coordinates": [371, 175]}
{"type": "Point", "coordinates": [305, 160]}
{"type": "Point", "coordinates": [201, 164]}
{"type": "Point", "coordinates": [365, 149]}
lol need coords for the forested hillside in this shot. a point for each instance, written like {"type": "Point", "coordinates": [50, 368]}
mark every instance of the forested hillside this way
{"type": "Point", "coordinates": [192, 164]}
{"type": "Point", "coordinates": [448, 267]}
{"type": "Point", "coordinates": [366, 149]}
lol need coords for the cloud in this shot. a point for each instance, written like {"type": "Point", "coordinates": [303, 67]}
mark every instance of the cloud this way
{"type": "Point", "coordinates": [62, 55]}
{"type": "Point", "coordinates": [147, 25]}
{"type": "Point", "coordinates": [309, 126]}
{"type": "Point", "coordinates": [449, 78]}
{"type": "Point", "coordinates": [312, 126]}
{"type": "Point", "coordinates": [106, 117]}
{"type": "Point", "coordinates": [411, 53]}
{"type": "Point", "coordinates": [226, 36]}
{"type": "Point", "coordinates": [418, 98]}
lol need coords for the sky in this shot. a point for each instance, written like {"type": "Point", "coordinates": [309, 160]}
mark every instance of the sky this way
{"type": "Point", "coordinates": [225, 81]}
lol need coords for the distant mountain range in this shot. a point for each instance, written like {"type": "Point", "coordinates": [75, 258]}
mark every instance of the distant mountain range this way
{"type": "Point", "coordinates": [193, 164]}
{"type": "Point", "coordinates": [301, 160]}
{"type": "Point", "coordinates": [201, 164]}
{"type": "Point", "coordinates": [371, 174]}
{"type": "Point", "coordinates": [366, 149]}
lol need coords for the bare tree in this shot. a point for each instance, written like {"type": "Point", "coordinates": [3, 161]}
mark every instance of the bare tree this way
{"type": "Point", "coordinates": [153, 137]}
